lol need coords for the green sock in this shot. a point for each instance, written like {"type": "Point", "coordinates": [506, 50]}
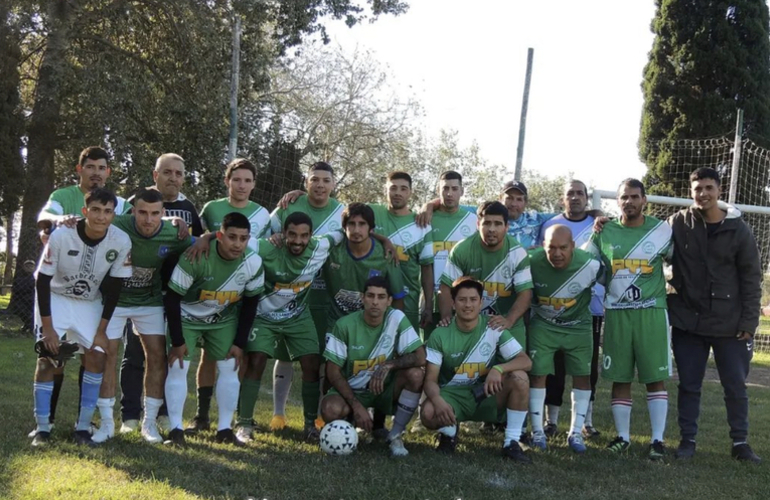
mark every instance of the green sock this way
{"type": "Point", "coordinates": [311, 393]}
{"type": "Point", "coordinates": [204, 402]}
{"type": "Point", "coordinates": [248, 400]}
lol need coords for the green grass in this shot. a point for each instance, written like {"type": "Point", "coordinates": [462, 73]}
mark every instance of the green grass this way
{"type": "Point", "coordinates": [281, 466]}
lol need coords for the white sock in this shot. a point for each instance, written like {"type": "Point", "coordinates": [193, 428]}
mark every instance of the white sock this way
{"type": "Point", "coordinates": [283, 372]}
{"type": "Point", "coordinates": [553, 414]}
{"type": "Point", "coordinates": [515, 421]}
{"type": "Point", "coordinates": [407, 405]}
{"type": "Point", "coordinates": [536, 402]}
{"type": "Point", "coordinates": [621, 413]}
{"type": "Point", "coordinates": [589, 422]}
{"type": "Point", "coordinates": [176, 393]}
{"type": "Point", "coordinates": [105, 406]}
{"type": "Point", "coordinates": [227, 389]}
{"type": "Point", "coordinates": [580, 401]}
{"type": "Point", "coordinates": [449, 430]}
{"type": "Point", "coordinates": [151, 408]}
{"type": "Point", "coordinates": [657, 405]}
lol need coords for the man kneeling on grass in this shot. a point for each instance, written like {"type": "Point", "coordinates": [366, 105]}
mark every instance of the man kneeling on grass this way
{"type": "Point", "coordinates": [461, 374]}
{"type": "Point", "coordinates": [362, 352]}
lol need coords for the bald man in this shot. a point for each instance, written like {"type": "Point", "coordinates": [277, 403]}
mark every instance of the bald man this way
{"type": "Point", "coordinates": [561, 321]}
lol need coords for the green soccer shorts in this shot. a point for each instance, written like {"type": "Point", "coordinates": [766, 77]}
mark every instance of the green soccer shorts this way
{"type": "Point", "coordinates": [637, 338]}
{"type": "Point", "coordinates": [461, 399]}
{"type": "Point", "coordinates": [382, 402]}
{"type": "Point", "coordinates": [215, 339]}
{"type": "Point", "coordinates": [298, 335]}
{"type": "Point", "coordinates": [544, 342]}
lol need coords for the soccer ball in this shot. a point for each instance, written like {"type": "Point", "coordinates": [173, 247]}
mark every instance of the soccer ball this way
{"type": "Point", "coordinates": [339, 438]}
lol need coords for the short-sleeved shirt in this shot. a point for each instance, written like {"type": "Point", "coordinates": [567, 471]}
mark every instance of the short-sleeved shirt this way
{"type": "Point", "coordinates": [215, 211]}
{"type": "Point", "coordinates": [633, 263]}
{"type": "Point", "coordinates": [526, 229]}
{"type": "Point", "coordinates": [78, 268]}
{"type": "Point", "coordinates": [581, 233]}
{"type": "Point", "coordinates": [561, 297]}
{"type": "Point", "coordinates": [448, 230]}
{"type": "Point", "coordinates": [504, 272]}
{"type": "Point", "coordinates": [345, 276]}
{"type": "Point", "coordinates": [465, 358]}
{"type": "Point", "coordinates": [289, 277]}
{"type": "Point", "coordinates": [212, 288]}
{"type": "Point", "coordinates": [71, 201]}
{"type": "Point", "coordinates": [143, 288]}
{"type": "Point", "coordinates": [414, 246]}
{"type": "Point", "coordinates": [359, 348]}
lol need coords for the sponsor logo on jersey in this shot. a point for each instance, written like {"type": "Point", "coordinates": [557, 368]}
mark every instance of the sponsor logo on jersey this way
{"type": "Point", "coordinates": [635, 266]}
{"type": "Point", "coordinates": [240, 279]}
{"type": "Point", "coordinates": [485, 349]}
{"type": "Point", "coordinates": [541, 285]}
{"type": "Point", "coordinates": [295, 287]}
{"type": "Point", "coordinates": [574, 288]}
{"type": "Point", "coordinates": [439, 246]}
{"type": "Point", "coordinates": [457, 354]}
{"type": "Point", "coordinates": [649, 247]}
{"type": "Point", "coordinates": [401, 253]}
{"type": "Point", "coordinates": [140, 278]}
{"type": "Point", "coordinates": [79, 288]}
{"type": "Point", "coordinates": [111, 255]}
{"type": "Point", "coordinates": [472, 370]}
{"type": "Point", "coordinates": [492, 289]}
{"type": "Point", "coordinates": [466, 230]}
{"type": "Point", "coordinates": [374, 272]}
{"type": "Point", "coordinates": [73, 253]}
{"type": "Point", "coordinates": [556, 303]}
{"type": "Point", "coordinates": [163, 251]}
{"type": "Point", "coordinates": [349, 300]}
{"type": "Point", "coordinates": [360, 365]}
{"type": "Point", "coordinates": [222, 297]}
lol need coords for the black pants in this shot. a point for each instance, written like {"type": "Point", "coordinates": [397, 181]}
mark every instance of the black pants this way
{"type": "Point", "coordinates": [554, 384]}
{"type": "Point", "coordinates": [132, 377]}
{"type": "Point", "coordinates": [733, 358]}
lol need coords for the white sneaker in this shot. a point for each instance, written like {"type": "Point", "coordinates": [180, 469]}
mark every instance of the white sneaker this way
{"type": "Point", "coordinates": [164, 424]}
{"type": "Point", "coordinates": [129, 426]}
{"type": "Point", "coordinates": [150, 434]}
{"type": "Point", "coordinates": [244, 433]}
{"type": "Point", "coordinates": [32, 433]}
{"type": "Point", "coordinates": [104, 432]}
{"type": "Point", "coordinates": [397, 448]}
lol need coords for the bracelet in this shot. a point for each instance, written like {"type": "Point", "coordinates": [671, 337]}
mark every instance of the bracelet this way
{"type": "Point", "coordinates": [497, 367]}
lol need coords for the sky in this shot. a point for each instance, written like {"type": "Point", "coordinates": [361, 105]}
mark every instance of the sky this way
{"type": "Point", "coordinates": [466, 63]}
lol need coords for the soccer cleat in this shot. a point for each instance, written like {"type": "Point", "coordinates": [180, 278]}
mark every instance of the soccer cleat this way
{"type": "Point", "coordinates": [41, 439]}
{"type": "Point", "coordinates": [277, 423]}
{"type": "Point", "coordinates": [743, 453]}
{"type": "Point", "coordinates": [164, 424]}
{"type": "Point", "coordinates": [198, 425]}
{"type": "Point", "coordinates": [104, 432]}
{"type": "Point", "coordinates": [34, 432]}
{"type": "Point", "coordinates": [176, 438]}
{"type": "Point", "coordinates": [590, 432]}
{"type": "Point", "coordinates": [618, 445]}
{"type": "Point", "coordinates": [446, 444]}
{"type": "Point", "coordinates": [551, 430]}
{"type": "Point", "coordinates": [151, 433]}
{"type": "Point", "coordinates": [312, 434]}
{"type": "Point", "coordinates": [83, 438]}
{"type": "Point", "coordinates": [397, 448]}
{"type": "Point", "coordinates": [686, 449]}
{"type": "Point", "coordinates": [657, 450]}
{"type": "Point", "coordinates": [539, 441]}
{"type": "Point", "coordinates": [226, 436]}
{"type": "Point", "coordinates": [319, 423]}
{"type": "Point", "coordinates": [514, 452]}
{"type": "Point", "coordinates": [129, 425]}
{"type": "Point", "coordinates": [244, 433]}
{"type": "Point", "coordinates": [576, 443]}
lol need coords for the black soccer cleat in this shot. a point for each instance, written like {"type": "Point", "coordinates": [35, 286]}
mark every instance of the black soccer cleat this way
{"type": "Point", "coordinates": [657, 451]}
{"type": "Point", "coordinates": [743, 453]}
{"type": "Point", "coordinates": [42, 438]}
{"type": "Point", "coordinates": [83, 438]}
{"type": "Point", "coordinates": [446, 444]}
{"type": "Point", "coordinates": [686, 449]}
{"type": "Point", "coordinates": [514, 452]}
{"type": "Point", "coordinates": [198, 425]}
{"type": "Point", "coordinates": [176, 438]}
{"type": "Point", "coordinates": [551, 430]}
{"type": "Point", "coordinates": [67, 351]}
{"type": "Point", "coordinates": [228, 437]}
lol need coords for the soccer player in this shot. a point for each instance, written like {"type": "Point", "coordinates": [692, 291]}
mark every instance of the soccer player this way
{"type": "Point", "coordinates": [283, 314]}
{"type": "Point", "coordinates": [580, 222]}
{"type": "Point", "coordinates": [212, 300]}
{"type": "Point", "coordinates": [141, 301]}
{"type": "Point", "coordinates": [563, 277]}
{"type": "Point", "coordinates": [462, 373]}
{"type": "Point", "coordinates": [636, 322]}
{"type": "Point", "coordinates": [374, 358]}
{"type": "Point", "coordinates": [80, 267]}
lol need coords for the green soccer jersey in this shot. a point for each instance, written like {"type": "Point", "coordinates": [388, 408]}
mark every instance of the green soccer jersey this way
{"type": "Point", "coordinates": [289, 277]}
{"type": "Point", "coordinates": [211, 288]}
{"type": "Point", "coordinates": [633, 263]}
{"type": "Point", "coordinates": [359, 348]}
{"type": "Point", "coordinates": [71, 200]}
{"type": "Point", "coordinates": [465, 358]}
{"type": "Point", "coordinates": [448, 230]}
{"type": "Point", "coordinates": [504, 272]}
{"type": "Point", "coordinates": [214, 212]}
{"type": "Point", "coordinates": [414, 246]}
{"type": "Point", "coordinates": [561, 297]}
{"type": "Point", "coordinates": [345, 276]}
{"type": "Point", "coordinates": [143, 288]}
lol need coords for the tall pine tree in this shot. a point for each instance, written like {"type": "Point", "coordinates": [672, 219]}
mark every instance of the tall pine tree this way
{"type": "Point", "coordinates": [709, 58]}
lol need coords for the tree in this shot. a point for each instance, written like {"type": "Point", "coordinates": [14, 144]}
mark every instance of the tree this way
{"type": "Point", "coordinates": [709, 57]}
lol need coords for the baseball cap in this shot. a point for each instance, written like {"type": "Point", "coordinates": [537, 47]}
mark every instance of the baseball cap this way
{"type": "Point", "coordinates": [514, 185]}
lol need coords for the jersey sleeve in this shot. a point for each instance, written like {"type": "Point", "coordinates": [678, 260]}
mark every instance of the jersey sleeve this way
{"type": "Point", "coordinates": [337, 344]}
{"type": "Point", "coordinates": [433, 350]}
{"type": "Point", "coordinates": [204, 217]}
{"type": "Point", "coordinates": [335, 237]}
{"type": "Point", "coordinates": [395, 280]}
{"type": "Point", "coordinates": [121, 267]}
{"type": "Point", "coordinates": [426, 252]}
{"type": "Point", "coordinates": [276, 220]}
{"type": "Point", "coordinates": [454, 266]}
{"type": "Point", "coordinates": [522, 277]}
{"type": "Point", "coordinates": [408, 340]}
{"type": "Point", "coordinates": [469, 208]}
{"type": "Point", "coordinates": [183, 277]}
{"type": "Point", "coordinates": [593, 245]}
{"type": "Point", "coordinates": [256, 284]}
{"type": "Point", "coordinates": [50, 260]}
{"type": "Point", "coordinates": [508, 346]}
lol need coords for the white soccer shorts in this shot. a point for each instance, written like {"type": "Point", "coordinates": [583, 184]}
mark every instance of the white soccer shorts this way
{"type": "Point", "coordinates": [147, 320]}
{"type": "Point", "coordinates": [77, 319]}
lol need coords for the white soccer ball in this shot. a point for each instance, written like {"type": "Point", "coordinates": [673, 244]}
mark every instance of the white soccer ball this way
{"type": "Point", "coordinates": [339, 438]}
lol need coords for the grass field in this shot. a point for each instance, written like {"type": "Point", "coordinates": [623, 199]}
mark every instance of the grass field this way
{"type": "Point", "coordinates": [278, 466]}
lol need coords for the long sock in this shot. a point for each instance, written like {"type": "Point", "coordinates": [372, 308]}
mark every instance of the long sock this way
{"type": "Point", "coordinates": [589, 421]}
{"type": "Point", "coordinates": [536, 402]}
{"type": "Point", "coordinates": [515, 419]}
{"type": "Point", "coordinates": [249, 396]}
{"type": "Point", "coordinates": [176, 393]}
{"type": "Point", "coordinates": [58, 380]}
{"type": "Point", "coordinates": [283, 372]}
{"type": "Point", "coordinates": [621, 413]}
{"type": "Point", "coordinates": [106, 406]}
{"type": "Point", "coordinates": [89, 395]}
{"type": "Point", "coordinates": [580, 401]}
{"type": "Point", "coordinates": [657, 405]}
{"type": "Point", "coordinates": [310, 396]}
{"type": "Point", "coordinates": [553, 414]}
{"type": "Point", "coordinates": [43, 393]}
{"type": "Point", "coordinates": [449, 430]}
{"type": "Point", "coordinates": [204, 402]}
{"type": "Point", "coordinates": [407, 405]}
{"type": "Point", "coordinates": [151, 409]}
{"type": "Point", "coordinates": [228, 387]}
{"type": "Point", "coordinates": [80, 384]}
